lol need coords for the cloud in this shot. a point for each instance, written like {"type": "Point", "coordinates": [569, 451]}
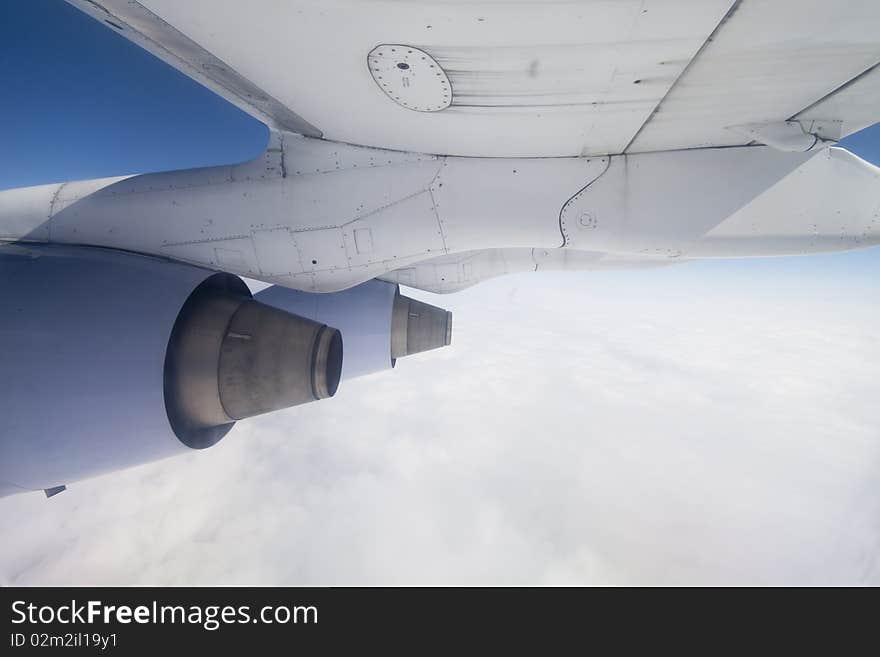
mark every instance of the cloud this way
{"type": "Point", "coordinates": [652, 428]}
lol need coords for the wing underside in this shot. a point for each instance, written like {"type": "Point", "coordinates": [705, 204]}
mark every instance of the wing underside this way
{"type": "Point", "coordinates": [565, 78]}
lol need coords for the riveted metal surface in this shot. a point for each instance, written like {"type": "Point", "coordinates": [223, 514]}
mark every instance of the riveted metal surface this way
{"type": "Point", "coordinates": [410, 77]}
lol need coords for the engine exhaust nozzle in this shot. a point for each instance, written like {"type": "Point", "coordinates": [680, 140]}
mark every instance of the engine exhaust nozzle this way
{"type": "Point", "coordinates": [271, 359]}
{"type": "Point", "coordinates": [418, 326]}
{"type": "Point", "coordinates": [231, 357]}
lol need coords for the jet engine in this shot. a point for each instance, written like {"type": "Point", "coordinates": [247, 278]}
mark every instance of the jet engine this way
{"type": "Point", "coordinates": [111, 359]}
{"type": "Point", "coordinates": [378, 324]}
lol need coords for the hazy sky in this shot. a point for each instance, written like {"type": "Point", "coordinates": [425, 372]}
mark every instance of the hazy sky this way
{"type": "Point", "coordinates": [711, 423]}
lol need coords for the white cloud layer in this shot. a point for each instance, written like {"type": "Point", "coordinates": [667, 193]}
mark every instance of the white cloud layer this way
{"type": "Point", "coordinates": [599, 429]}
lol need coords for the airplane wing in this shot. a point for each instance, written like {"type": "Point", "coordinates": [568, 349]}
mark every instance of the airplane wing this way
{"type": "Point", "coordinates": [427, 143]}
{"type": "Point", "coordinates": [572, 78]}
{"type": "Point", "coordinates": [439, 143]}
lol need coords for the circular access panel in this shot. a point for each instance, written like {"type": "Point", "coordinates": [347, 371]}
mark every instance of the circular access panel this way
{"type": "Point", "coordinates": [410, 77]}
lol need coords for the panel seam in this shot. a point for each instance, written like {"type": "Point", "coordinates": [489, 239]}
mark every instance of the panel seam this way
{"type": "Point", "coordinates": [684, 71]}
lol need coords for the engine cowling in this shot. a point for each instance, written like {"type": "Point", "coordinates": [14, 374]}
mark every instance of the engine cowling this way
{"type": "Point", "coordinates": [112, 359]}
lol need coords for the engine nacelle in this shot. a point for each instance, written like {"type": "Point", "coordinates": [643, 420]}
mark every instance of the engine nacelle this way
{"type": "Point", "coordinates": [111, 359]}
{"type": "Point", "coordinates": [378, 324]}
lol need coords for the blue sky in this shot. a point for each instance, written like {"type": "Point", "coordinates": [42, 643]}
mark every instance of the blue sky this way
{"type": "Point", "coordinates": [82, 102]}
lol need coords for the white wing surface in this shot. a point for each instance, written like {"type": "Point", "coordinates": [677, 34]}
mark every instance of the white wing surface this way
{"type": "Point", "coordinates": [525, 79]}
